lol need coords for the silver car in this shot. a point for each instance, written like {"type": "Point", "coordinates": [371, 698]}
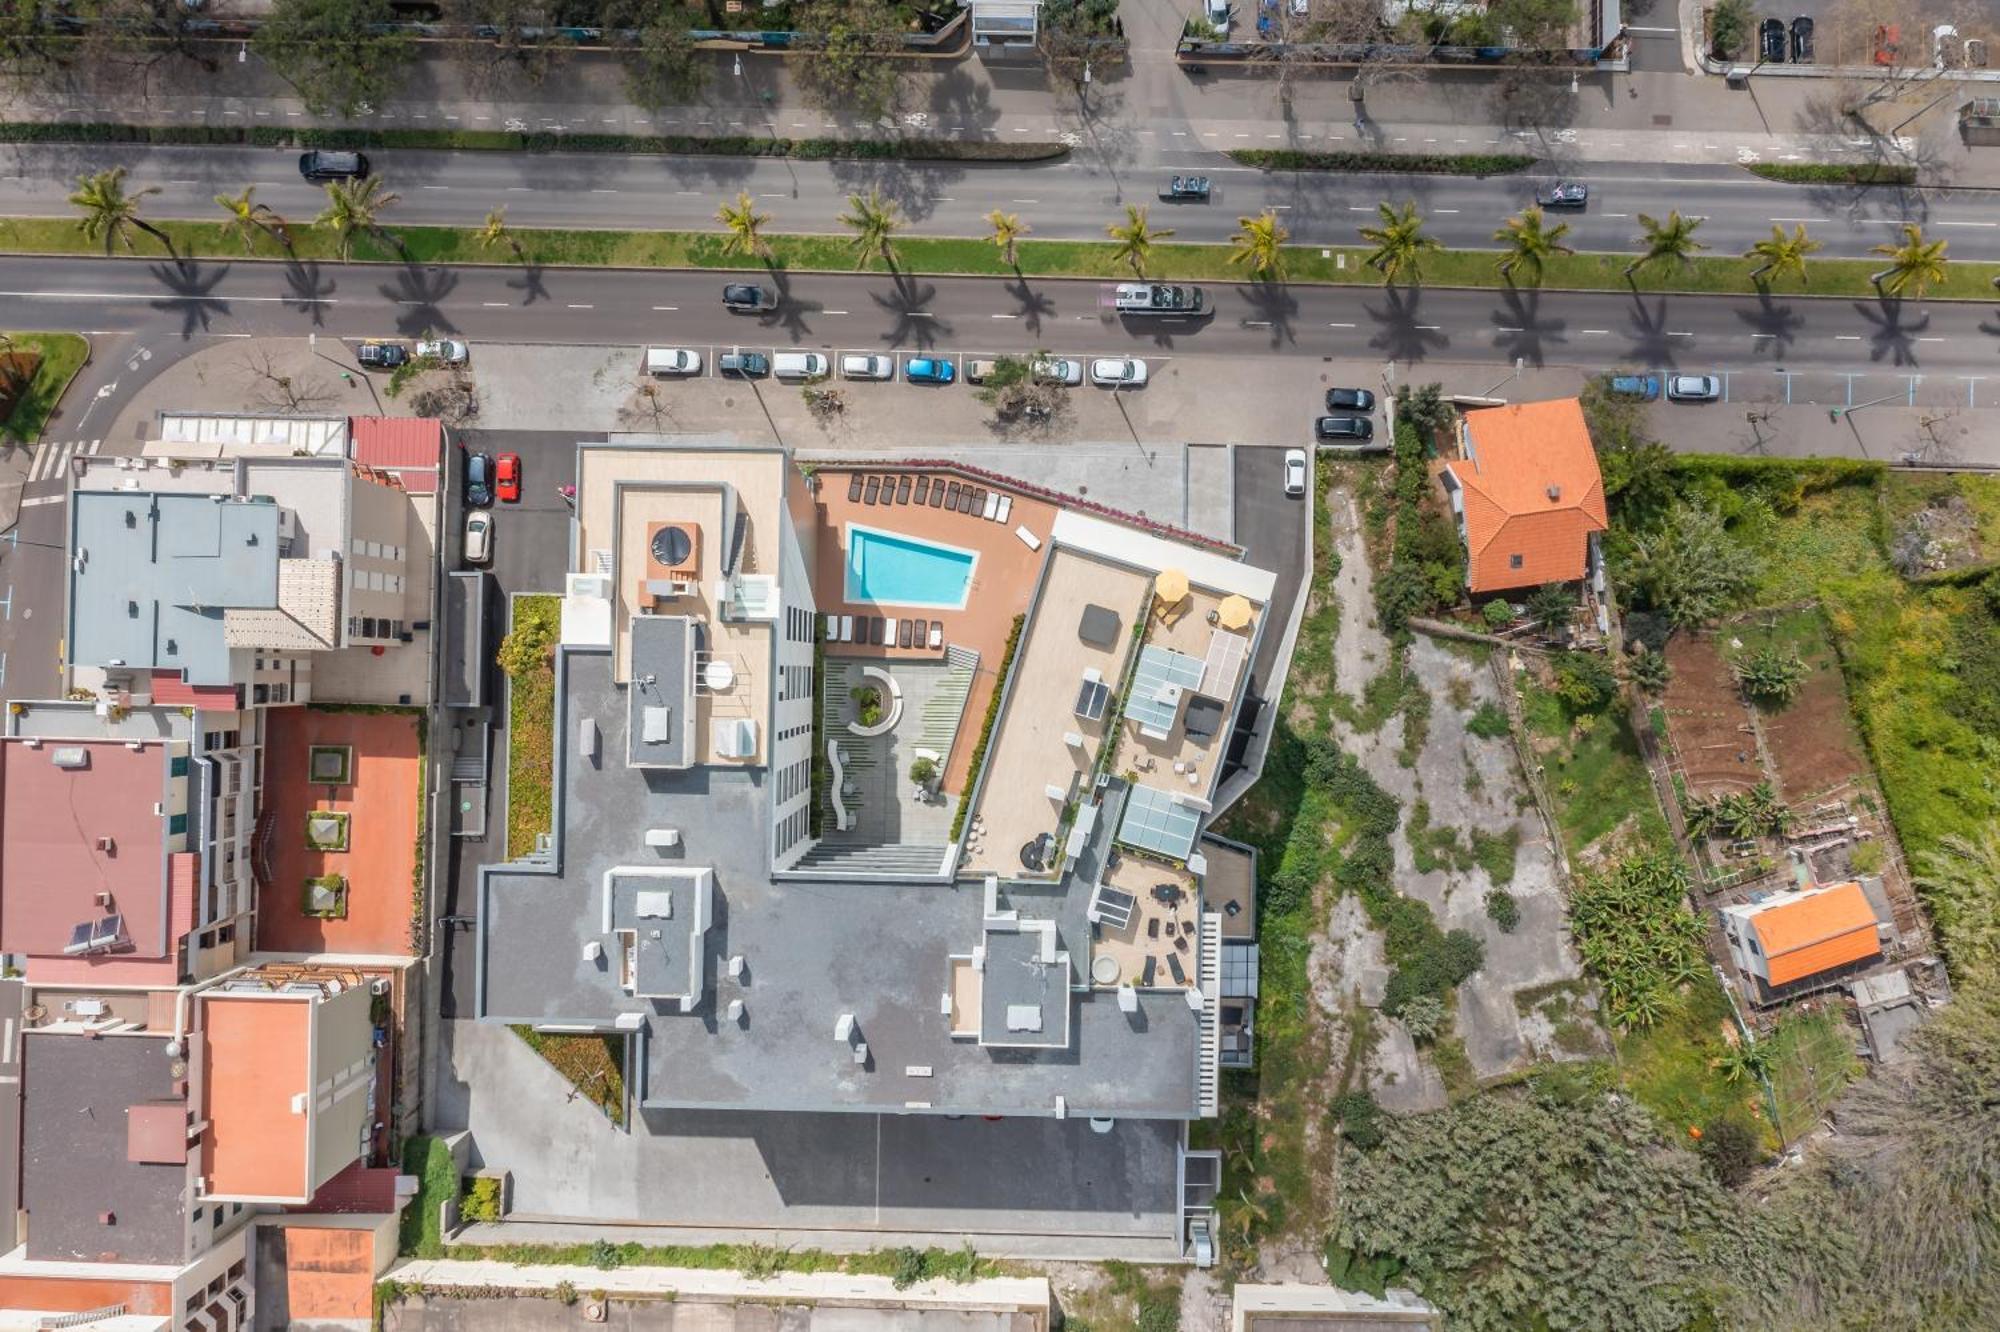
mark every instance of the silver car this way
{"type": "Point", "coordinates": [1117, 372]}
{"type": "Point", "coordinates": [1693, 388]}
{"type": "Point", "coordinates": [1295, 471]}
{"type": "Point", "coordinates": [1059, 370]}
{"type": "Point", "coordinates": [445, 351]}
{"type": "Point", "coordinates": [864, 365]}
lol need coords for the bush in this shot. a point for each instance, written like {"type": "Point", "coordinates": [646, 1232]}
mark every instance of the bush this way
{"type": "Point", "coordinates": [1729, 28]}
{"type": "Point", "coordinates": [1358, 1118]}
{"type": "Point", "coordinates": [1423, 1018]}
{"type": "Point", "coordinates": [1503, 910]}
{"type": "Point", "coordinates": [1497, 613]}
{"type": "Point", "coordinates": [986, 728]}
{"type": "Point", "coordinates": [1436, 164]}
{"type": "Point", "coordinates": [1771, 674]}
{"type": "Point", "coordinates": [605, 1256]}
{"type": "Point", "coordinates": [1489, 722]}
{"type": "Point", "coordinates": [482, 1199]}
{"type": "Point", "coordinates": [1836, 173]}
{"type": "Point", "coordinates": [910, 1268]}
{"type": "Point", "coordinates": [1585, 681]}
{"type": "Point", "coordinates": [1730, 1150]}
{"type": "Point", "coordinates": [537, 625]}
{"type": "Point", "coordinates": [1649, 670]}
{"type": "Point", "coordinates": [565, 1292]}
{"type": "Point", "coordinates": [924, 771]}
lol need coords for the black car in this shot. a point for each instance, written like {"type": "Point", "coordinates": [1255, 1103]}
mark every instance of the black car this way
{"type": "Point", "coordinates": [1191, 188]}
{"type": "Point", "coordinates": [325, 164]}
{"type": "Point", "coordinates": [1563, 194]}
{"type": "Point", "coordinates": [1349, 400]}
{"type": "Point", "coordinates": [1344, 427]}
{"type": "Point", "coordinates": [382, 355]}
{"type": "Point", "coordinates": [748, 298]}
{"type": "Point", "coordinates": [1771, 34]}
{"type": "Point", "coordinates": [478, 480]}
{"type": "Point", "coordinates": [1802, 31]}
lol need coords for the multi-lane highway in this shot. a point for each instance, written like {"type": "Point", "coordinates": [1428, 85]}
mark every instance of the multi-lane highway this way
{"type": "Point", "coordinates": [1070, 199]}
{"type": "Point", "coordinates": [183, 300]}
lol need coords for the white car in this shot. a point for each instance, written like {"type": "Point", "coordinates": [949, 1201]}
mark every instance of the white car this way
{"type": "Point", "coordinates": [445, 351]}
{"type": "Point", "coordinates": [1058, 370]}
{"type": "Point", "coordinates": [867, 366]}
{"type": "Point", "coordinates": [1117, 372]}
{"type": "Point", "coordinates": [672, 361]}
{"type": "Point", "coordinates": [1693, 388]}
{"type": "Point", "coordinates": [478, 537]}
{"type": "Point", "coordinates": [1295, 471]}
{"type": "Point", "coordinates": [1218, 14]}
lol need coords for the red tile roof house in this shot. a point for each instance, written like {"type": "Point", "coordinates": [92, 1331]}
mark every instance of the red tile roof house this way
{"type": "Point", "coordinates": [1527, 496]}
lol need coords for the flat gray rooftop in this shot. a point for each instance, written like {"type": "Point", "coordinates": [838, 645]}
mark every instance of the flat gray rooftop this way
{"type": "Point", "coordinates": [659, 700]}
{"type": "Point", "coordinates": [812, 951]}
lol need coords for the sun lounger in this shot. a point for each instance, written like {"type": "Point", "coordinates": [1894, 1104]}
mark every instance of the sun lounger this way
{"type": "Point", "coordinates": [877, 627]}
{"type": "Point", "coordinates": [937, 493]}
{"type": "Point", "coordinates": [874, 488]}
{"type": "Point", "coordinates": [905, 631]}
{"type": "Point", "coordinates": [847, 628]}
{"type": "Point", "coordinates": [1152, 964]}
{"type": "Point", "coordinates": [923, 489]}
{"type": "Point", "coordinates": [1153, 927]}
{"type": "Point", "coordinates": [903, 490]}
{"type": "Point", "coordinates": [831, 627]}
{"type": "Point", "coordinates": [970, 501]}
{"type": "Point", "coordinates": [951, 495]}
{"type": "Point", "coordinates": [1174, 965]}
{"type": "Point", "coordinates": [1006, 509]}
{"type": "Point", "coordinates": [854, 487]}
{"type": "Point", "coordinates": [992, 506]}
{"type": "Point", "coordinates": [937, 634]}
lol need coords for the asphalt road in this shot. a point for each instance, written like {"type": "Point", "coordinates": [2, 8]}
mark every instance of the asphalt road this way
{"type": "Point", "coordinates": [1072, 199]}
{"type": "Point", "coordinates": [1708, 333]}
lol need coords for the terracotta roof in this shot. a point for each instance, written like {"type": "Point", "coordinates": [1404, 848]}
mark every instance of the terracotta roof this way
{"type": "Point", "coordinates": [1532, 491]}
{"type": "Point", "coordinates": [409, 446]}
{"type": "Point", "coordinates": [171, 691]}
{"type": "Point", "coordinates": [328, 1274]}
{"type": "Point", "coordinates": [1815, 932]}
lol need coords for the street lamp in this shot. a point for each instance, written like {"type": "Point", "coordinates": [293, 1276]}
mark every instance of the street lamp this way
{"type": "Point", "coordinates": [738, 70]}
{"type": "Point", "coordinates": [1835, 413]}
{"type": "Point", "coordinates": [242, 53]}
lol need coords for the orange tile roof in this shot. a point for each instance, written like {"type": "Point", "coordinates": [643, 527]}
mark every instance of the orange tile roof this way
{"type": "Point", "coordinates": [1816, 932]}
{"type": "Point", "coordinates": [257, 1061]}
{"type": "Point", "coordinates": [1518, 453]}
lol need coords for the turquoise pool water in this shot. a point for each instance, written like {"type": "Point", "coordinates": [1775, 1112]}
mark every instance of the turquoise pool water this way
{"type": "Point", "coordinates": [888, 569]}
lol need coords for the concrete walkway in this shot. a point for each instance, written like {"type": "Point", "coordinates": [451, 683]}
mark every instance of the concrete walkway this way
{"type": "Point", "coordinates": [722, 1284]}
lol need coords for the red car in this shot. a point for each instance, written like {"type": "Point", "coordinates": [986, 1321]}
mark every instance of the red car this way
{"type": "Point", "coordinates": [507, 478]}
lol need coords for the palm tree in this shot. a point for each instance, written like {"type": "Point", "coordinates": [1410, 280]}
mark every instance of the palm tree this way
{"type": "Point", "coordinates": [110, 214]}
{"type": "Point", "coordinates": [1008, 228]}
{"type": "Point", "coordinates": [1530, 244]}
{"type": "Point", "coordinates": [247, 218]}
{"type": "Point", "coordinates": [1135, 238]}
{"type": "Point", "coordinates": [1744, 1062]}
{"type": "Point", "coordinates": [1671, 241]}
{"type": "Point", "coordinates": [354, 207]}
{"type": "Point", "coordinates": [1782, 254]}
{"type": "Point", "coordinates": [745, 226]}
{"type": "Point", "coordinates": [1259, 245]}
{"type": "Point", "coordinates": [1916, 262]}
{"type": "Point", "coordinates": [875, 221]}
{"type": "Point", "coordinates": [496, 232]}
{"type": "Point", "coordinates": [1400, 243]}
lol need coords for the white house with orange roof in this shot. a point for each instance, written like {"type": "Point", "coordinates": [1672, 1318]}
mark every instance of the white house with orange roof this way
{"type": "Point", "coordinates": [1527, 495]}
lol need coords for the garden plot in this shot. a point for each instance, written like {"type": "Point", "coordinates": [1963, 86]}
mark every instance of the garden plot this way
{"type": "Point", "coordinates": [1811, 740]}
{"type": "Point", "coordinates": [1714, 736]}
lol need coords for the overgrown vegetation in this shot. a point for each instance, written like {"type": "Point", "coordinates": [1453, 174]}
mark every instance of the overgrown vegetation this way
{"type": "Point", "coordinates": [756, 1261]}
{"type": "Point", "coordinates": [1636, 935]}
{"type": "Point", "coordinates": [1130, 1299]}
{"type": "Point", "coordinates": [1427, 560]}
{"type": "Point", "coordinates": [593, 1064]}
{"type": "Point", "coordinates": [1430, 164]}
{"type": "Point", "coordinates": [1835, 173]}
{"type": "Point", "coordinates": [527, 655]}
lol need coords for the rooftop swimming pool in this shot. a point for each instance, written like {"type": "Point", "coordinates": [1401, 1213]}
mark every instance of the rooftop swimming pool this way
{"type": "Point", "coordinates": [889, 569]}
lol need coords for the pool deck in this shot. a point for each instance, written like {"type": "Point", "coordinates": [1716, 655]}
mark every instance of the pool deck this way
{"type": "Point", "coordinates": [1003, 580]}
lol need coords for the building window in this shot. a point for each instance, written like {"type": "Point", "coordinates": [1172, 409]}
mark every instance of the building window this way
{"type": "Point", "coordinates": [177, 766]}
{"type": "Point", "coordinates": [177, 825]}
{"type": "Point", "coordinates": [198, 1213]}
{"type": "Point", "coordinates": [1513, 561]}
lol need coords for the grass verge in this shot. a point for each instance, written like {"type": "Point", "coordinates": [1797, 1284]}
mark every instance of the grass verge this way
{"type": "Point", "coordinates": [1834, 173]}
{"type": "Point", "coordinates": [531, 723]}
{"type": "Point", "coordinates": [505, 141]}
{"type": "Point", "coordinates": [1431, 164]}
{"type": "Point", "coordinates": [594, 1065]}
{"type": "Point", "coordinates": [437, 1181]}
{"type": "Point", "coordinates": [753, 1260]}
{"type": "Point", "coordinates": [978, 257]}
{"type": "Point", "coordinates": [63, 354]}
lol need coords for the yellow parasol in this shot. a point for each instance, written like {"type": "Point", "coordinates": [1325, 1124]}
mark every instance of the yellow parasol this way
{"type": "Point", "coordinates": [1234, 612]}
{"type": "Point", "coordinates": [1171, 586]}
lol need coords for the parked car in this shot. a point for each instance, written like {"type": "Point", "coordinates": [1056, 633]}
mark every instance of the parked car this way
{"type": "Point", "coordinates": [445, 351]}
{"type": "Point", "coordinates": [1295, 471]}
{"type": "Point", "coordinates": [743, 365]}
{"type": "Point", "coordinates": [928, 370]}
{"type": "Point", "coordinates": [748, 297]}
{"type": "Point", "coordinates": [507, 478]}
{"type": "Point", "coordinates": [1349, 400]}
{"type": "Point", "coordinates": [1643, 387]}
{"type": "Point", "coordinates": [1888, 44]}
{"type": "Point", "coordinates": [478, 537]}
{"type": "Point", "coordinates": [1058, 370]}
{"type": "Point", "coordinates": [478, 480]}
{"type": "Point", "coordinates": [1563, 194]}
{"type": "Point", "coordinates": [1117, 372]}
{"type": "Point", "coordinates": [872, 366]}
{"type": "Point", "coordinates": [1344, 427]}
{"type": "Point", "coordinates": [1217, 12]}
{"type": "Point", "coordinates": [323, 164]}
{"type": "Point", "coordinates": [979, 370]}
{"type": "Point", "coordinates": [1189, 189]}
{"type": "Point", "coordinates": [672, 361]}
{"type": "Point", "coordinates": [1771, 37]}
{"type": "Point", "coordinates": [1802, 44]}
{"type": "Point", "coordinates": [375, 355]}
{"type": "Point", "coordinates": [800, 365]}
{"type": "Point", "coordinates": [1693, 388]}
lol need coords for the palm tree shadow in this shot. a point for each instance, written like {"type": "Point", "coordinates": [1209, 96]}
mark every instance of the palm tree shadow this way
{"type": "Point", "coordinates": [1034, 304]}
{"type": "Point", "coordinates": [1773, 327]}
{"type": "Point", "coordinates": [908, 301]}
{"type": "Point", "coordinates": [1519, 329]}
{"type": "Point", "coordinates": [190, 284]}
{"type": "Point", "coordinates": [531, 284]}
{"type": "Point", "coordinates": [311, 288]}
{"type": "Point", "coordinates": [1651, 343]}
{"type": "Point", "coordinates": [790, 312]}
{"type": "Point", "coordinates": [418, 292]}
{"type": "Point", "coordinates": [1272, 303]}
{"type": "Point", "coordinates": [1891, 338]}
{"type": "Point", "coordinates": [1400, 337]}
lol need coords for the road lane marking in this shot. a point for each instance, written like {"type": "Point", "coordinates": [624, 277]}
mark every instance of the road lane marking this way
{"type": "Point", "coordinates": [573, 307]}
{"type": "Point", "coordinates": [1004, 316]}
{"type": "Point", "coordinates": [1430, 328]}
{"type": "Point", "coordinates": [155, 296]}
{"type": "Point", "coordinates": [833, 312]}
{"type": "Point", "coordinates": [1847, 337]}
{"type": "Point", "coordinates": [1966, 224]}
{"type": "Point", "coordinates": [1340, 326]}
{"type": "Point", "coordinates": [496, 305]}
{"type": "Point", "coordinates": [1502, 328]}
{"type": "Point", "coordinates": [1597, 332]}
{"type": "Point", "coordinates": [1679, 335]}
{"type": "Point", "coordinates": [603, 191]}
{"type": "Point", "coordinates": [666, 307]}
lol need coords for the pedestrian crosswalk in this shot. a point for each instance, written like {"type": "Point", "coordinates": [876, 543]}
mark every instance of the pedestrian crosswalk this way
{"type": "Point", "coordinates": [51, 458]}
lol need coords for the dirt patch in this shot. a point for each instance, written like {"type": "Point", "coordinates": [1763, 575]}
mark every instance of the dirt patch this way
{"type": "Point", "coordinates": [1713, 735]}
{"type": "Point", "coordinates": [1812, 738]}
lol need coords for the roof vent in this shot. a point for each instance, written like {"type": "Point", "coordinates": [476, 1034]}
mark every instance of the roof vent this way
{"type": "Point", "coordinates": [71, 756]}
{"type": "Point", "coordinates": [1555, 493]}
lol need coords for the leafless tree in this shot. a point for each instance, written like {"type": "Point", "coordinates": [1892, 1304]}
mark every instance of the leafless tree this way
{"type": "Point", "coordinates": [278, 390]}
{"type": "Point", "coordinates": [649, 408]}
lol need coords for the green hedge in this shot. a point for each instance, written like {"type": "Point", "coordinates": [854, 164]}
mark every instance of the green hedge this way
{"type": "Point", "coordinates": [986, 728]}
{"type": "Point", "coordinates": [1836, 173]}
{"type": "Point", "coordinates": [728, 145]}
{"type": "Point", "coordinates": [1441, 164]}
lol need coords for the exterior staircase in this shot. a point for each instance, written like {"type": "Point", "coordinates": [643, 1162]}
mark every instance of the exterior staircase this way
{"type": "Point", "coordinates": [836, 856]}
{"type": "Point", "coordinates": [944, 711]}
{"type": "Point", "coordinates": [1208, 975]}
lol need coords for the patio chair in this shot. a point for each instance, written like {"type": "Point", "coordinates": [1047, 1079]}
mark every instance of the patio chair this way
{"type": "Point", "coordinates": [1174, 965]}
{"type": "Point", "coordinates": [937, 634]}
{"type": "Point", "coordinates": [923, 489]}
{"type": "Point", "coordinates": [854, 487]}
{"type": "Point", "coordinates": [937, 493]}
{"type": "Point", "coordinates": [1006, 509]}
{"type": "Point", "coordinates": [903, 490]}
{"type": "Point", "coordinates": [874, 488]}
{"type": "Point", "coordinates": [904, 630]}
{"type": "Point", "coordinates": [847, 628]}
{"type": "Point", "coordinates": [1181, 941]}
{"type": "Point", "coordinates": [951, 495]}
{"type": "Point", "coordinates": [1153, 927]}
{"type": "Point", "coordinates": [1152, 965]}
{"type": "Point", "coordinates": [990, 507]}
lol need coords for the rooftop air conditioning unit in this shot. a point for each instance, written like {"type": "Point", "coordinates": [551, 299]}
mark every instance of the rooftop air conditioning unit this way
{"type": "Point", "coordinates": [380, 985]}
